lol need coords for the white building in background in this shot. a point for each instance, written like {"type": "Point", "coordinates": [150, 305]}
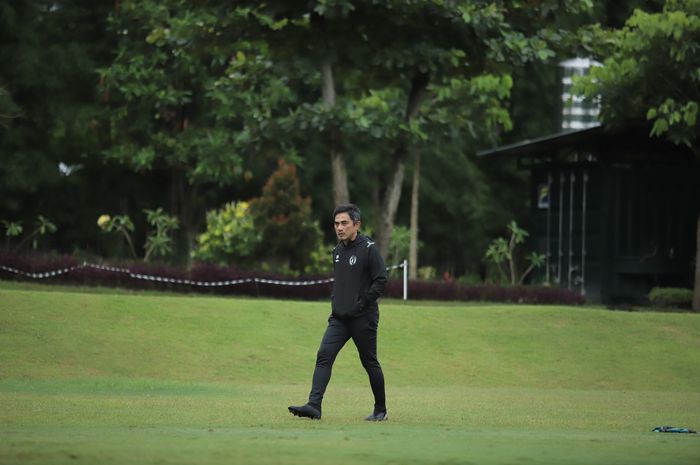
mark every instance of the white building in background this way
{"type": "Point", "coordinates": [577, 113]}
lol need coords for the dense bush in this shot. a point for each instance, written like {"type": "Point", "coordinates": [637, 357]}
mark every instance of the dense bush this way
{"type": "Point", "coordinates": [231, 237]}
{"type": "Point", "coordinates": [288, 233]}
{"type": "Point", "coordinates": [212, 274]}
{"type": "Point", "coordinates": [443, 290]}
{"type": "Point", "coordinates": [273, 231]}
{"type": "Point", "coordinates": [320, 261]}
{"type": "Point", "coordinates": [671, 297]}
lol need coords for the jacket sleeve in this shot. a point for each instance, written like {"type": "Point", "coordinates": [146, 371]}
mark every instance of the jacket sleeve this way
{"type": "Point", "coordinates": [377, 271]}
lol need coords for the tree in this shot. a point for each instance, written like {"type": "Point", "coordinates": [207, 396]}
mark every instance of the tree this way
{"type": "Point", "coordinates": [196, 99]}
{"type": "Point", "coordinates": [186, 94]}
{"type": "Point", "coordinates": [8, 108]}
{"type": "Point", "coordinates": [451, 115]}
{"type": "Point", "coordinates": [283, 218]}
{"type": "Point", "coordinates": [651, 71]}
{"type": "Point", "coordinates": [465, 202]}
{"type": "Point", "coordinates": [49, 51]}
{"type": "Point", "coordinates": [415, 202]}
{"type": "Point", "coordinates": [389, 59]}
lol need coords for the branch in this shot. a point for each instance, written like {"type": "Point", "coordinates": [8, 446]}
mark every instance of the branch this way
{"type": "Point", "coordinates": [526, 272]}
{"type": "Point", "coordinates": [419, 87]}
{"type": "Point", "coordinates": [131, 244]}
{"type": "Point", "coordinates": [511, 255]}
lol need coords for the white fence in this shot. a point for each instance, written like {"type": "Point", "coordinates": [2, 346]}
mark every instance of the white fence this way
{"type": "Point", "coordinates": [147, 277]}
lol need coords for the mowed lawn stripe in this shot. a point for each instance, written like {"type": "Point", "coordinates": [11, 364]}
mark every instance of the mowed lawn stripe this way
{"type": "Point", "coordinates": [115, 377]}
{"type": "Point", "coordinates": [211, 339]}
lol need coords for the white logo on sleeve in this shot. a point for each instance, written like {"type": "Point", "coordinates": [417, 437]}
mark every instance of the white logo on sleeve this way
{"type": "Point", "coordinates": [337, 258]}
{"type": "Point", "coordinates": [353, 260]}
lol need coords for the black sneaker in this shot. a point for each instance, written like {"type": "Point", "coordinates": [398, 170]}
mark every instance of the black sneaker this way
{"type": "Point", "coordinates": [378, 416]}
{"type": "Point", "coordinates": [306, 411]}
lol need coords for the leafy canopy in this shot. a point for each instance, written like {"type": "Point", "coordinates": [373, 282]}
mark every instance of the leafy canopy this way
{"type": "Point", "coordinates": [188, 89]}
{"type": "Point", "coordinates": [652, 71]}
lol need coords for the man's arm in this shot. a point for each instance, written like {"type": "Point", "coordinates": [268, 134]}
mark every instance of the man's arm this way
{"type": "Point", "coordinates": [377, 271]}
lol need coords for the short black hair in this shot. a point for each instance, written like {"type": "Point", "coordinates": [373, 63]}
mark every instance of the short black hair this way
{"type": "Point", "coordinates": [351, 209]}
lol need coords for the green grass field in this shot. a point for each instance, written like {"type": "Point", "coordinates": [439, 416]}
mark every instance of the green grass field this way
{"type": "Point", "coordinates": [113, 377]}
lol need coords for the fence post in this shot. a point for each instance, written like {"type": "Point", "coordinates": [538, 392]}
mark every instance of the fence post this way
{"type": "Point", "coordinates": [405, 279]}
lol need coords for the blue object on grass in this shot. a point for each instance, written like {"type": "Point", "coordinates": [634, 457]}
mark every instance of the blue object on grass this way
{"type": "Point", "coordinates": [672, 429]}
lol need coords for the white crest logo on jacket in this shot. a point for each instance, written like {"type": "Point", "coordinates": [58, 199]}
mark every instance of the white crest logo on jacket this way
{"type": "Point", "coordinates": [353, 260]}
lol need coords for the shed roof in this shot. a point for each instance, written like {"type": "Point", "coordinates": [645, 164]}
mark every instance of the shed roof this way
{"type": "Point", "coordinates": [604, 141]}
{"type": "Point", "coordinates": [548, 143]}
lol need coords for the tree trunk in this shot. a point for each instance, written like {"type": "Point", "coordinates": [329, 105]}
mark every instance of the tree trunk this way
{"type": "Point", "coordinates": [183, 198]}
{"type": "Point", "coordinates": [696, 291]}
{"type": "Point", "coordinates": [341, 193]}
{"type": "Point", "coordinates": [376, 193]}
{"type": "Point", "coordinates": [338, 168]}
{"type": "Point", "coordinates": [511, 258]}
{"type": "Point", "coordinates": [392, 195]}
{"type": "Point", "coordinates": [415, 191]}
{"type": "Point", "coordinates": [390, 203]}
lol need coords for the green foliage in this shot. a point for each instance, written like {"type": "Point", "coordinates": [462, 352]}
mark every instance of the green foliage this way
{"type": "Point", "coordinates": [320, 261]}
{"type": "Point", "coordinates": [465, 200]}
{"type": "Point", "coordinates": [121, 224]}
{"type": "Point", "coordinates": [8, 108]}
{"type": "Point", "coordinates": [192, 98]}
{"type": "Point", "coordinates": [502, 252]}
{"type": "Point", "coordinates": [650, 71]}
{"type": "Point", "coordinates": [42, 227]}
{"type": "Point", "coordinates": [427, 273]}
{"type": "Point", "coordinates": [190, 91]}
{"type": "Point", "coordinates": [230, 238]}
{"type": "Point", "coordinates": [671, 297]}
{"type": "Point", "coordinates": [187, 89]}
{"type": "Point", "coordinates": [283, 217]}
{"type": "Point", "coordinates": [498, 253]}
{"type": "Point", "coordinates": [49, 53]}
{"type": "Point", "coordinates": [398, 247]}
{"type": "Point", "coordinates": [274, 231]}
{"type": "Point", "coordinates": [476, 106]}
{"type": "Point", "coordinates": [159, 242]}
{"type": "Point", "coordinates": [12, 228]}
{"type": "Point", "coordinates": [392, 92]}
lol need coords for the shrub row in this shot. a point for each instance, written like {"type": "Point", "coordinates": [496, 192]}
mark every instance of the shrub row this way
{"type": "Point", "coordinates": [671, 297]}
{"type": "Point", "coordinates": [436, 290]}
{"type": "Point", "coordinates": [201, 272]}
{"type": "Point", "coordinates": [418, 290]}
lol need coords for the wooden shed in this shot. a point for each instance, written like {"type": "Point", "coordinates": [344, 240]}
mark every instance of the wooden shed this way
{"type": "Point", "coordinates": [613, 211]}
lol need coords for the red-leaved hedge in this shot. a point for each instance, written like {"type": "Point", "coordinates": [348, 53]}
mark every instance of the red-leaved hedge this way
{"type": "Point", "coordinates": [441, 290]}
{"type": "Point", "coordinates": [207, 273]}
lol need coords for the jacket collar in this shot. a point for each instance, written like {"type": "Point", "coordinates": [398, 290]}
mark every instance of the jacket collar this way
{"type": "Point", "coordinates": [358, 240]}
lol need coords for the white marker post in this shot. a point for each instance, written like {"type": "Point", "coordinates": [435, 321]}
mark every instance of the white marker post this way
{"type": "Point", "coordinates": [405, 280]}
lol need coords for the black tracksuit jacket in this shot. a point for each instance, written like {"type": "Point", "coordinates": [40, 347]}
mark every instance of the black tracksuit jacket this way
{"type": "Point", "coordinates": [360, 277]}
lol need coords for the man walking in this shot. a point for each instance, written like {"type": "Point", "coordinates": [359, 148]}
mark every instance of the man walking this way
{"type": "Point", "coordinates": [360, 277]}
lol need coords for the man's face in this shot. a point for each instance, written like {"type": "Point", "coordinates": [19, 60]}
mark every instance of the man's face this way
{"type": "Point", "coordinates": [345, 229]}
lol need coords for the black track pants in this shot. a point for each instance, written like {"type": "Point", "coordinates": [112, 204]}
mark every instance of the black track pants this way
{"type": "Point", "coordinates": [363, 331]}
